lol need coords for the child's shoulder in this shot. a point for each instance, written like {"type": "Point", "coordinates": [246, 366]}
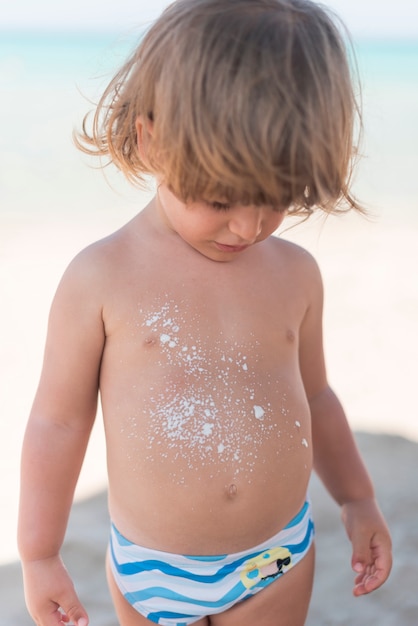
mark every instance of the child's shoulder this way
{"type": "Point", "coordinates": [95, 257]}
{"type": "Point", "coordinates": [299, 265]}
{"type": "Point", "coordinates": [96, 273]}
{"type": "Point", "coordinates": [102, 261]}
{"type": "Point", "coordinates": [294, 254]}
{"type": "Point", "coordinates": [110, 250]}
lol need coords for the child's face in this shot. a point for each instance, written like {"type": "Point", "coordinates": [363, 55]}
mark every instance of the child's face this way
{"type": "Point", "coordinates": [219, 231]}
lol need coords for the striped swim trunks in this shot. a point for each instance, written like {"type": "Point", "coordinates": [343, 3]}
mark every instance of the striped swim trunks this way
{"type": "Point", "coordinates": [176, 590]}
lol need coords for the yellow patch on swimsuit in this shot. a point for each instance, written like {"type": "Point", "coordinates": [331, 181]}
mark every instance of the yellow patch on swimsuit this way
{"type": "Point", "coordinates": [268, 564]}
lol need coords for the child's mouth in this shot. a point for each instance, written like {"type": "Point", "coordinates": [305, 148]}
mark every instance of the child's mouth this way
{"type": "Point", "coordinates": [226, 248]}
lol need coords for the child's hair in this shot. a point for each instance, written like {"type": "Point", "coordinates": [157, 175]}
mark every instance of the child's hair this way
{"type": "Point", "coordinates": [246, 101]}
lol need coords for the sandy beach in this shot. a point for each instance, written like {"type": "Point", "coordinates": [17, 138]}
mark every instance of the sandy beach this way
{"type": "Point", "coordinates": [52, 205]}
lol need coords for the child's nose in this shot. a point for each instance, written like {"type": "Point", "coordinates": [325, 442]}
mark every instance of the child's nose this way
{"type": "Point", "coordinates": [246, 222]}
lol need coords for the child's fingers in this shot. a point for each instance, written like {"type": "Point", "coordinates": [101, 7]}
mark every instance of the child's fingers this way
{"type": "Point", "coordinates": [376, 569]}
{"type": "Point", "coordinates": [75, 616]}
{"type": "Point", "coordinates": [365, 583]}
{"type": "Point", "coordinates": [73, 611]}
{"type": "Point", "coordinates": [61, 618]}
{"type": "Point", "coordinates": [368, 583]}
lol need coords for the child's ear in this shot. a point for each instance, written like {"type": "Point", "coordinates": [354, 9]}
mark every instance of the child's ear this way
{"type": "Point", "coordinates": [144, 129]}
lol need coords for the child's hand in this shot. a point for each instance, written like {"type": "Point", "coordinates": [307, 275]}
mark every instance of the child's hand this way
{"type": "Point", "coordinates": [50, 595]}
{"type": "Point", "coordinates": [372, 547]}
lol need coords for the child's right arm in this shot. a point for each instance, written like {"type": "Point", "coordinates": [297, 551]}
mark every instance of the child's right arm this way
{"type": "Point", "coordinates": [56, 438]}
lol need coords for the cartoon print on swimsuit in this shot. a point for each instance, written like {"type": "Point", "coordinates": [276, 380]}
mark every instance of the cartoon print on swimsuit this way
{"type": "Point", "coordinates": [191, 421]}
{"type": "Point", "coordinates": [268, 564]}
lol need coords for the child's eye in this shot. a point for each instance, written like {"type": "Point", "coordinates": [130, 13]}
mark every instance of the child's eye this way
{"type": "Point", "coordinates": [220, 206]}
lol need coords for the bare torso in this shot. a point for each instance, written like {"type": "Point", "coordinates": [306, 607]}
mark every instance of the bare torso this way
{"type": "Point", "coordinates": [206, 418]}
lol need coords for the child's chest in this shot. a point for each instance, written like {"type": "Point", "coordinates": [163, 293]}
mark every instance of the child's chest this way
{"type": "Point", "coordinates": [196, 349]}
{"type": "Point", "coordinates": [191, 318]}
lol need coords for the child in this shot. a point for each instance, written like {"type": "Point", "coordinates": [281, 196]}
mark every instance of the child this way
{"type": "Point", "coordinates": [202, 332]}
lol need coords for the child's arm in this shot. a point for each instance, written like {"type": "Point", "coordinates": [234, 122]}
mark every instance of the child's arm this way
{"type": "Point", "coordinates": [336, 457]}
{"type": "Point", "coordinates": [55, 442]}
{"type": "Point", "coordinates": [339, 465]}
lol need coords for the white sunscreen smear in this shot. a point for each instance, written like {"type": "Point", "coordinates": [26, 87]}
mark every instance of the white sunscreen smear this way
{"type": "Point", "coordinates": [258, 412]}
{"type": "Point", "coordinates": [205, 410]}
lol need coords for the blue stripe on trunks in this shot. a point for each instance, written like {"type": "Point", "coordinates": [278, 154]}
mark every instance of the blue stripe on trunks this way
{"type": "Point", "coordinates": [130, 569]}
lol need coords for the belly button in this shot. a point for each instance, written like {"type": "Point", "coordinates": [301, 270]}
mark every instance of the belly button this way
{"type": "Point", "coordinates": [232, 490]}
{"type": "Point", "coordinates": [290, 335]}
{"type": "Point", "coordinates": [150, 341]}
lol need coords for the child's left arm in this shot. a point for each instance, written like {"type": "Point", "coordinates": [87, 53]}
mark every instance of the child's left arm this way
{"type": "Point", "coordinates": [341, 469]}
{"type": "Point", "coordinates": [337, 460]}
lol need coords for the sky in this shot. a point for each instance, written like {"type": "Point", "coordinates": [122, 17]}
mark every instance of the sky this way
{"type": "Point", "coordinates": [376, 18]}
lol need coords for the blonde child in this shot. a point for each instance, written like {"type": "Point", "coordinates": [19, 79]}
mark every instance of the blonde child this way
{"type": "Point", "coordinates": [201, 330]}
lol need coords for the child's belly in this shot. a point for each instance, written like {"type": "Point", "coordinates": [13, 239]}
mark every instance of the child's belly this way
{"type": "Point", "coordinates": [207, 462]}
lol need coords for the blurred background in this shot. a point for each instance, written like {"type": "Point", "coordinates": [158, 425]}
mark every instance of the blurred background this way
{"type": "Point", "coordinates": [55, 59]}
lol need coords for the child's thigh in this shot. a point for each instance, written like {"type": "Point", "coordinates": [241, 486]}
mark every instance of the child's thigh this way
{"type": "Point", "coordinates": [283, 603]}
